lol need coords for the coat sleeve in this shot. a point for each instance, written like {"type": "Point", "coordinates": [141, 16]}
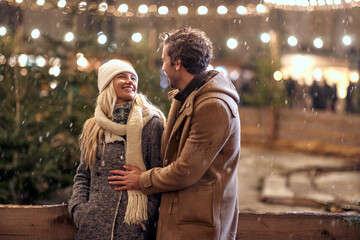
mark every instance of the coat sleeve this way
{"type": "Point", "coordinates": [81, 187]}
{"type": "Point", "coordinates": [207, 135]}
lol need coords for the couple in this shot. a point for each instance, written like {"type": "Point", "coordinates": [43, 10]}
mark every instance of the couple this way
{"type": "Point", "coordinates": [117, 187]}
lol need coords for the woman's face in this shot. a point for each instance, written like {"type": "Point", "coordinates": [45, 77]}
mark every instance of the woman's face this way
{"type": "Point", "coordinates": [125, 85]}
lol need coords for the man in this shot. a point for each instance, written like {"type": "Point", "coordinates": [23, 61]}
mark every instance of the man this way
{"type": "Point", "coordinates": [200, 146]}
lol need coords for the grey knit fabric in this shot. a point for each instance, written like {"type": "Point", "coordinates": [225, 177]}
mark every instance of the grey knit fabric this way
{"type": "Point", "coordinates": [94, 203]}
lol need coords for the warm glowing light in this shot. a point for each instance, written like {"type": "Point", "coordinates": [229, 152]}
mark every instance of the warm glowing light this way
{"type": "Point", "coordinates": [103, 7]}
{"type": "Point", "coordinates": [102, 38]}
{"type": "Point", "coordinates": [35, 33]}
{"type": "Point", "coordinates": [54, 71]}
{"type": "Point", "coordinates": [277, 76]}
{"type": "Point", "coordinates": [82, 61]}
{"type": "Point", "coordinates": [292, 41]}
{"type": "Point", "coordinates": [2, 31]}
{"type": "Point", "coordinates": [40, 61]}
{"type": "Point", "coordinates": [163, 10]}
{"type": "Point", "coordinates": [69, 37]}
{"type": "Point", "coordinates": [143, 9]}
{"type": "Point", "coordinates": [40, 2]}
{"type": "Point", "coordinates": [82, 6]}
{"type": "Point", "coordinates": [346, 40]}
{"type": "Point", "coordinates": [260, 8]}
{"type": "Point", "coordinates": [202, 10]}
{"type": "Point", "coordinates": [54, 84]}
{"type": "Point", "coordinates": [183, 10]}
{"type": "Point", "coordinates": [317, 73]}
{"type": "Point", "coordinates": [265, 37]}
{"type": "Point", "coordinates": [22, 60]}
{"type": "Point", "coordinates": [354, 77]}
{"type": "Point", "coordinates": [232, 43]}
{"type": "Point", "coordinates": [222, 10]}
{"type": "Point", "coordinates": [136, 37]}
{"type": "Point", "coordinates": [61, 3]}
{"type": "Point", "coordinates": [123, 8]}
{"type": "Point", "coordinates": [19, 1]}
{"type": "Point", "coordinates": [318, 43]}
{"type": "Point", "coordinates": [241, 10]}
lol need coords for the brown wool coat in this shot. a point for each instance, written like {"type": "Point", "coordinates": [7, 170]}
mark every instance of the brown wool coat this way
{"type": "Point", "coordinates": [201, 149]}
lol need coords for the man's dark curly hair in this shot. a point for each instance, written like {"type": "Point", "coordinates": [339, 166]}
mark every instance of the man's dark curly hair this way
{"type": "Point", "coordinates": [191, 46]}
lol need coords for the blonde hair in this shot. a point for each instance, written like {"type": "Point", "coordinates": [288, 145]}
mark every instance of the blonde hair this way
{"type": "Point", "coordinates": [92, 134]}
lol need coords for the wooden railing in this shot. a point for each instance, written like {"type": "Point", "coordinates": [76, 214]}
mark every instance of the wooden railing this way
{"type": "Point", "coordinates": [311, 131]}
{"type": "Point", "coordinates": [53, 222]}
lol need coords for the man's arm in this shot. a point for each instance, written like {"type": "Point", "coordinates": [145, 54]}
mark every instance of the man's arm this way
{"type": "Point", "coordinates": [208, 133]}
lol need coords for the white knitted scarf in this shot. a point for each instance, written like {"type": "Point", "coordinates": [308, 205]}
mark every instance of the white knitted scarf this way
{"type": "Point", "coordinates": [136, 210]}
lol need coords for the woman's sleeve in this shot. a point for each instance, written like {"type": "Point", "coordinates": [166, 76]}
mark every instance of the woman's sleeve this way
{"type": "Point", "coordinates": [81, 187]}
{"type": "Point", "coordinates": [151, 145]}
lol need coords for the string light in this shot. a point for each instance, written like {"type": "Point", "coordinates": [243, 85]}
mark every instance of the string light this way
{"type": "Point", "coordinates": [35, 33]}
{"type": "Point", "coordinates": [22, 60]}
{"type": "Point", "coordinates": [123, 8]}
{"type": "Point", "coordinates": [163, 10]}
{"type": "Point", "coordinates": [2, 31]}
{"type": "Point", "coordinates": [229, 11]}
{"type": "Point", "coordinates": [183, 10]}
{"type": "Point", "coordinates": [69, 37]}
{"type": "Point", "coordinates": [277, 76]}
{"type": "Point", "coordinates": [318, 43]}
{"type": "Point", "coordinates": [82, 6]}
{"type": "Point", "coordinates": [241, 10]}
{"type": "Point", "coordinates": [40, 2]}
{"type": "Point", "coordinates": [136, 37]}
{"type": "Point", "coordinates": [202, 10]}
{"type": "Point", "coordinates": [61, 3]}
{"type": "Point", "coordinates": [346, 40]}
{"type": "Point", "coordinates": [292, 41]}
{"type": "Point", "coordinates": [143, 9]}
{"type": "Point", "coordinates": [260, 8]}
{"type": "Point", "coordinates": [40, 61]}
{"type": "Point", "coordinates": [222, 10]}
{"type": "Point", "coordinates": [232, 43]}
{"type": "Point", "coordinates": [265, 37]}
{"type": "Point", "coordinates": [102, 38]}
{"type": "Point", "coordinates": [103, 7]}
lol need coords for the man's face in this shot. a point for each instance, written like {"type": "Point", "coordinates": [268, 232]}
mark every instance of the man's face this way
{"type": "Point", "coordinates": [169, 69]}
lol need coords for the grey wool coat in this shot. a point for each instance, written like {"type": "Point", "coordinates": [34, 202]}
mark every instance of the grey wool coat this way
{"type": "Point", "coordinates": [98, 211]}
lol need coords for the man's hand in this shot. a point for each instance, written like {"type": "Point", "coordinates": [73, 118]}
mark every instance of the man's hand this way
{"type": "Point", "coordinates": [129, 179]}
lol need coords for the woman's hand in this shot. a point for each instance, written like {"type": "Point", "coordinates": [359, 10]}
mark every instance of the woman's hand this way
{"type": "Point", "coordinates": [129, 179]}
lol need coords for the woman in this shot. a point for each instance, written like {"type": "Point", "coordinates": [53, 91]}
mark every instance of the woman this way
{"type": "Point", "coordinates": [126, 129]}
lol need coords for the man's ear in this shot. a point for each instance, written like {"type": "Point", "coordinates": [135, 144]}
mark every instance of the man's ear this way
{"type": "Point", "coordinates": [178, 64]}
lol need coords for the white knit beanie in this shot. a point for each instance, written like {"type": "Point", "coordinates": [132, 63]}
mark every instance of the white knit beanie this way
{"type": "Point", "coordinates": [110, 69]}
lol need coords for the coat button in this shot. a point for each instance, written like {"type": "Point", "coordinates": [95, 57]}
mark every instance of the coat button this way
{"type": "Point", "coordinates": [121, 157]}
{"type": "Point", "coordinates": [188, 105]}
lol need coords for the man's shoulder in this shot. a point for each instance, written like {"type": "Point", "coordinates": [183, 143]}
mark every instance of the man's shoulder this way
{"type": "Point", "coordinates": [218, 99]}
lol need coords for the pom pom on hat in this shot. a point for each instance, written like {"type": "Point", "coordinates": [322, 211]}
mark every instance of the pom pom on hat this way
{"type": "Point", "coordinates": [110, 69]}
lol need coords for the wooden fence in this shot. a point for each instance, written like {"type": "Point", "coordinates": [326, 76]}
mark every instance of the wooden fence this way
{"type": "Point", "coordinates": [53, 222]}
{"type": "Point", "coordinates": [322, 132]}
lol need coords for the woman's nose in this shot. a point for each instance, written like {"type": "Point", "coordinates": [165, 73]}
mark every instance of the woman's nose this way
{"type": "Point", "coordinates": [128, 80]}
